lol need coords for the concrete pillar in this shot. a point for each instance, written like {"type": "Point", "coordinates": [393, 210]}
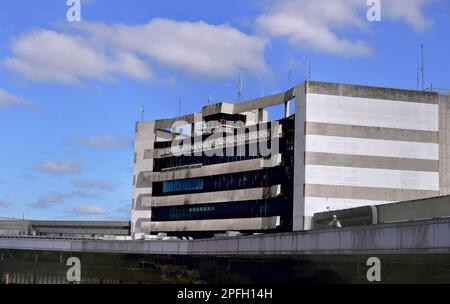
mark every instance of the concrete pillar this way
{"type": "Point", "coordinates": [198, 118]}
{"type": "Point", "coordinates": [299, 154]}
{"type": "Point", "coordinates": [260, 115]}
{"type": "Point", "coordinates": [287, 109]}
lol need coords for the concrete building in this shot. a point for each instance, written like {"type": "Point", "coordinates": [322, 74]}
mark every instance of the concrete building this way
{"type": "Point", "coordinates": [411, 211]}
{"type": "Point", "coordinates": [14, 227]}
{"type": "Point", "coordinates": [226, 177]}
{"type": "Point", "coordinates": [344, 146]}
{"type": "Point", "coordinates": [101, 229]}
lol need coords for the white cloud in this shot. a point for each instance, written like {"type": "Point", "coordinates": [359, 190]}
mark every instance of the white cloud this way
{"type": "Point", "coordinates": [89, 210]}
{"type": "Point", "coordinates": [60, 197]}
{"type": "Point", "coordinates": [104, 143]}
{"type": "Point", "coordinates": [104, 185]}
{"type": "Point", "coordinates": [61, 167]}
{"type": "Point", "coordinates": [7, 99]}
{"type": "Point", "coordinates": [319, 24]}
{"type": "Point", "coordinates": [194, 47]}
{"type": "Point", "coordinates": [44, 55]}
{"type": "Point", "coordinates": [410, 11]}
{"type": "Point", "coordinates": [96, 51]}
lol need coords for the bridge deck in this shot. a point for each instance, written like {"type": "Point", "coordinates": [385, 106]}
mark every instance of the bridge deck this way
{"type": "Point", "coordinates": [413, 237]}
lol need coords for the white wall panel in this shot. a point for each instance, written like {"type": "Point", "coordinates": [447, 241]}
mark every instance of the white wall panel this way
{"type": "Point", "coordinates": [376, 178]}
{"type": "Point", "coordinates": [372, 112]}
{"type": "Point", "coordinates": [371, 147]}
{"type": "Point", "coordinates": [320, 204]}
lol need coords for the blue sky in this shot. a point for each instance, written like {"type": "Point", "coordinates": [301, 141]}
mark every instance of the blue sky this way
{"type": "Point", "coordinates": [70, 92]}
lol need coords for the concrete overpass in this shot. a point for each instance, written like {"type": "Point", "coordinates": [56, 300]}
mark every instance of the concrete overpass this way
{"type": "Point", "coordinates": [412, 237]}
{"type": "Point", "coordinates": [410, 252]}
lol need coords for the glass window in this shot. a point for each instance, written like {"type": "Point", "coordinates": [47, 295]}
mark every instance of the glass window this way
{"type": "Point", "coordinates": [183, 185]}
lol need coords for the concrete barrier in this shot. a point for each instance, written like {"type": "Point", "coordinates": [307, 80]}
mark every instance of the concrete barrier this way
{"type": "Point", "coordinates": [428, 236]}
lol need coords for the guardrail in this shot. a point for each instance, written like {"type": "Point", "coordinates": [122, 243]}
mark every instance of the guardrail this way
{"type": "Point", "coordinates": [40, 237]}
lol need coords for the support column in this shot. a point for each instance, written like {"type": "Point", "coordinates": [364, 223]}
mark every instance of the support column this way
{"type": "Point", "coordinates": [260, 115]}
{"type": "Point", "coordinates": [298, 211]}
{"type": "Point", "coordinates": [287, 109]}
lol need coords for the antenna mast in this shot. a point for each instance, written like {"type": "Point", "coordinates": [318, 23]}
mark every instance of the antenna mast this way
{"type": "Point", "coordinates": [418, 78]}
{"type": "Point", "coordinates": [142, 113]}
{"type": "Point", "coordinates": [423, 70]}
{"type": "Point", "coordinates": [308, 71]}
{"type": "Point", "coordinates": [239, 87]}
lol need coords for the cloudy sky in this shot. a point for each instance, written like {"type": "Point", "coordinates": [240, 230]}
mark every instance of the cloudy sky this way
{"type": "Point", "coordinates": [70, 92]}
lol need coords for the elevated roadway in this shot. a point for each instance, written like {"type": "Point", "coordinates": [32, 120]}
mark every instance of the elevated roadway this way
{"type": "Point", "coordinates": [412, 237]}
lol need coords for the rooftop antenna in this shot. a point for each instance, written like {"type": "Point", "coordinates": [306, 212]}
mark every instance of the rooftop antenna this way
{"type": "Point", "coordinates": [308, 70]}
{"type": "Point", "coordinates": [239, 87]}
{"type": "Point", "coordinates": [418, 72]}
{"type": "Point", "coordinates": [210, 99]}
{"type": "Point", "coordinates": [418, 78]}
{"type": "Point", "coordinates": [179, 107]}
{"type": "Point", "coordinates": [142, 113]}
{"type": "Point", "coordinates": [423, 69]}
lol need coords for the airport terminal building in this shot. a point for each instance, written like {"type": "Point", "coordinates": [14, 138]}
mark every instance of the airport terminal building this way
{"type": "Point", "coordinates": [229, 167]}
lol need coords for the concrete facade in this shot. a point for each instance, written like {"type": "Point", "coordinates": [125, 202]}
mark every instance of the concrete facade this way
{"type": "Point", "coordinates": [145, 136]}
{"type": "Point", "coordinates": [14, 227]}
{"type": "Point", "coordinates": [148, 152]}
{"type": "Point", "coordinates": [368, 146]}
{"type": "Point", "coordinates": [405, 211]}
{"type": "Point", "coordinates": [353, 146]}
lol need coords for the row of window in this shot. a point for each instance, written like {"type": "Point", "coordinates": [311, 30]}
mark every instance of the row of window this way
{"type": "Point", "coordinates": [183, 185]}
{"type": "Point", "coordinates": [177, 214]}
{"type": "Point", "coordinates": [242, 209]}
{"type": "Point", "coordinates": [201, 209]}
{"type": "Point", "coordinates": [241, 180]}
